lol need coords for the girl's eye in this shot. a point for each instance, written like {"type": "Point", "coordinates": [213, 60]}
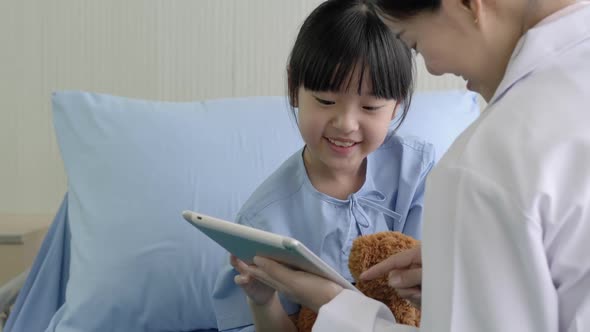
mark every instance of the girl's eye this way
{"type": "Point", "coordinates": [324, 101]}
{"type": "Point", "coordinates": [372, 108]}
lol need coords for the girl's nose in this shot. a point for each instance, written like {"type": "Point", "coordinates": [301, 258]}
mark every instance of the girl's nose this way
{"type": "Point", "coordinates": [345, 121]}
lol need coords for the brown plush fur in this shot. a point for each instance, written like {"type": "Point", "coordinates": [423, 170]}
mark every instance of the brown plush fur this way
{"type": "Point", "coordinates": [367, 251]}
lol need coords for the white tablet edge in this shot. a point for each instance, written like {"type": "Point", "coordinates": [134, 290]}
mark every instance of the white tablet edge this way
{"type": "Point", "coordinates": [278, 241]}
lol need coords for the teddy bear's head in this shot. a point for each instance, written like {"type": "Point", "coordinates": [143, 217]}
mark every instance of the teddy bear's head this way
{"type": "Point", "coordinates": [367, 251]}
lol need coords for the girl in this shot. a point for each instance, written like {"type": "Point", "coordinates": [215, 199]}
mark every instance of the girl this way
{"type": "Point", "coordinates": [347, 75]}
{"type": "Point", "coordinates": [507, 219]}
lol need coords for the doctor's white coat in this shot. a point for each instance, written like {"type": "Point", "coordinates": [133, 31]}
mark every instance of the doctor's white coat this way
{"type": "Point", "coordinates": [506, 233]}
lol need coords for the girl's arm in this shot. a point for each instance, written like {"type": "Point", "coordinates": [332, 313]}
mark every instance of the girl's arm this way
{"type": "Point", "coordinates": [267, 310]}
{"type": "Point", "coordinates": [271, 316]}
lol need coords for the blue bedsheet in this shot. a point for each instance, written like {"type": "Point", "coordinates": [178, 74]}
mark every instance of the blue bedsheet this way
{"type": "Point", "coordinates": [44, 290]}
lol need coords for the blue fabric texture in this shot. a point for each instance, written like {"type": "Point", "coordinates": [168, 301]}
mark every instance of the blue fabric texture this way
{"type": "Point", "coordinates": [44, 290]}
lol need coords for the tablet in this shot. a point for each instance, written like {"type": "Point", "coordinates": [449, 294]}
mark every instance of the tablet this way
{"type": "Point", "coordinates": [246, 242]}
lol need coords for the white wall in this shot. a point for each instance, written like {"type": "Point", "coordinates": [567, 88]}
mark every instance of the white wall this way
{"type": "Point", "coordinates": [161, 49]}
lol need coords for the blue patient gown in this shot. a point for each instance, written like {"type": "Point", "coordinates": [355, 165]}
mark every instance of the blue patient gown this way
{"type": "Point", "coordinates": [287, 203]}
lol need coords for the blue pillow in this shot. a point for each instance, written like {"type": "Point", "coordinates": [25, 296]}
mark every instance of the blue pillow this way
{"type": "Point", "coordinates": [134, 165]}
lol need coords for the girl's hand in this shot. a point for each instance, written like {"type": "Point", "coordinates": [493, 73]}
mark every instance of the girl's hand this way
{"type": "Point", "coordinates": [404, 272]}
{"type": "Point", "coordinates": [258, 293]}
{"type": "Point", "coordinates": [300, 287]}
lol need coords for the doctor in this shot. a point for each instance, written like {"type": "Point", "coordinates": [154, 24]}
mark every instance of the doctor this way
{"type": "Point", "coordinates": [506, 233]}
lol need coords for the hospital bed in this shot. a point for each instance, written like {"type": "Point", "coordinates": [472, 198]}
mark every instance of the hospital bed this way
{"type": "Point", "coordinates": [253, 134]}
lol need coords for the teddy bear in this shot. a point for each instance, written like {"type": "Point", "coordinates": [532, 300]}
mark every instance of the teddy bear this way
{"type": "Point", "coordinates": [367, 251]}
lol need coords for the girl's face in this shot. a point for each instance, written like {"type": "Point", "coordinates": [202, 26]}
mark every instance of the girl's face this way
{"type": "Point", "coordinates": [341, 128]}
{"type": "Point", "coordinates": [462, 39]}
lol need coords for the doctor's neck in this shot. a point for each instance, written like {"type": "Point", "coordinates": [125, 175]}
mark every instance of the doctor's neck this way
{"type": "Point", "coordinates": [513, 18]}
{"type": "Point", "coordinates": [537, 10]}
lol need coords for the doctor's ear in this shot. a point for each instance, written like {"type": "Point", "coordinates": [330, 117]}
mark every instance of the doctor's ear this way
{"type": "Point", "coordinates": [473, 8]}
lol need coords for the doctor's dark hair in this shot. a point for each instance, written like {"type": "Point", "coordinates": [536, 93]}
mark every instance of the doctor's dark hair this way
{"type": "Point", "coordinates": [341, 35]}
{"type": "Point", "coordinates": [402, 10]}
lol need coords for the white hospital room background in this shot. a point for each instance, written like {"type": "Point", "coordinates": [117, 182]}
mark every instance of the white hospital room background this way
{"type": "Point", "coordinates": [168, 50]}
{"type": "Point", "coordinates": [177, 50]}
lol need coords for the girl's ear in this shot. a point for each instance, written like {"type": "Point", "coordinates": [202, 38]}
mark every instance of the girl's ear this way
{"type": "Point", "coordinates": [293, 98]}
{"type": "Point", "coordinates": [395, 109]}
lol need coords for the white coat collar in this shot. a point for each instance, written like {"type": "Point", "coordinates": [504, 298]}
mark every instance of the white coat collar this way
{"type": "Point", "coordinates": [542, 42]}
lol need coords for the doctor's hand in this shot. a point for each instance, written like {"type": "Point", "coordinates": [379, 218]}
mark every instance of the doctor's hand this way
{"type": "Point", "coordinates": [300, 287]}
{"type": "Point", "coordinates": [404, 273]}
{"type": "Point", "coordinates": [258, 292]}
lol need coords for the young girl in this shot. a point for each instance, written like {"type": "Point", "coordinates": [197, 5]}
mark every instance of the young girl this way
{"type": "Point", "coordinates": [347, 75]}
{"type": "Point", "coordinates": [507, 220]}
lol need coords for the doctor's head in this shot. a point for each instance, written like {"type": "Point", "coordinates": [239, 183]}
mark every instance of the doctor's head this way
{"type": "Point", "coordinates": [470, 38]}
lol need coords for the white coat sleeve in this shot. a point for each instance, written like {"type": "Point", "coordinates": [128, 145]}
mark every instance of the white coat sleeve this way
{"type": "Point", "coordinates": [353, 312]}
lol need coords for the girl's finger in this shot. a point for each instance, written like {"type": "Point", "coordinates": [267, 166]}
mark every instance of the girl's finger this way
{"type": "Point", "coordinates": [261, 276]}
{"type": "Point", "coordinates": [273, 269]}
{"type": "Point", "coordinates": [241, 279]}
{"type": "Point", "coordinates": [238, 264]}
{"type": "Point", "coordinates": [269, 272]}
{"type": "Point", "coordinates": [233, 260]}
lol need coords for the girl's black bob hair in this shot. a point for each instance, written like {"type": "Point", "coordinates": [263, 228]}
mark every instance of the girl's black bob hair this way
{"type": "Point", "coordinates": [341, 36]}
